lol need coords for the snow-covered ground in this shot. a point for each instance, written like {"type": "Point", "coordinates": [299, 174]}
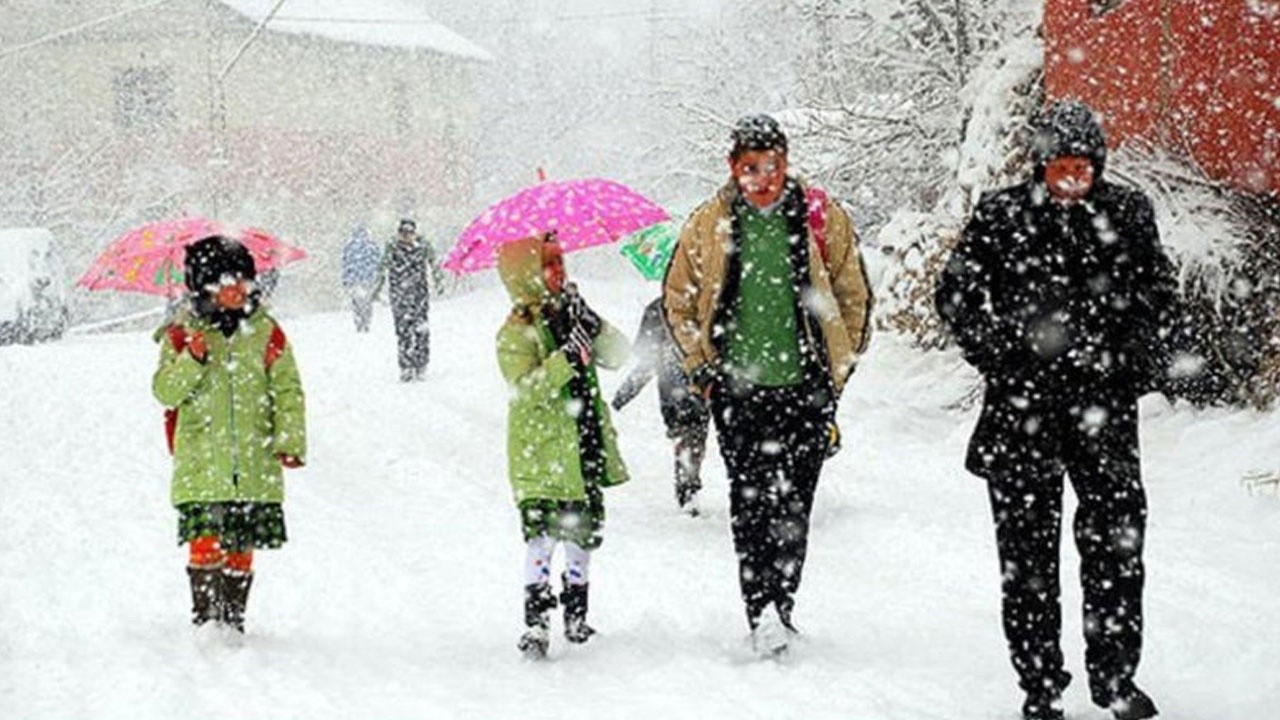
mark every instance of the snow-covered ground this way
{"type": "Point", "coordinates": [399, 593]}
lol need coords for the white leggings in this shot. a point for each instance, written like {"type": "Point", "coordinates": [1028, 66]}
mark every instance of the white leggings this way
{"type": "Point", "coordinates": [537, 562]}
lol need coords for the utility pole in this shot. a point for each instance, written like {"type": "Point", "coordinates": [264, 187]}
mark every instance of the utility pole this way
{"type": "Point", "coordinates": [220, 150]}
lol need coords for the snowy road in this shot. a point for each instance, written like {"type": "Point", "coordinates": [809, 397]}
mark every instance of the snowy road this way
{"type": "Point", "coordinates": [399, 593]}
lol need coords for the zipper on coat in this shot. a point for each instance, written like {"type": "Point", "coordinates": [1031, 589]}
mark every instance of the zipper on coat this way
{"type": "Point", "coordinates": [231, 405]}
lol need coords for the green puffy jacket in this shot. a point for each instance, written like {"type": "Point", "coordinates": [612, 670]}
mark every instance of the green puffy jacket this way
{"type": "Point", "coordinates": [237, 412]}
{"type": "Point", "coordinates": [543, 459]}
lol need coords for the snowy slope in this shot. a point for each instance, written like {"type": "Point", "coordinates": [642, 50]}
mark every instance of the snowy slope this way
{"type": "Point", "coordinates": [399, 593]}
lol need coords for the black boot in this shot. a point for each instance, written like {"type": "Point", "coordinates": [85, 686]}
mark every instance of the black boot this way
{"type": "Point", "coordinates": [538, 603]}
{"type": "Point", "coordinates": [1125, 700]}
{"type": "Point", "coordinates": [206, 594]}
{"type": "Point", "coordinates": [574, 598]}
{"type": "Point", "coordinates": [235, 596]}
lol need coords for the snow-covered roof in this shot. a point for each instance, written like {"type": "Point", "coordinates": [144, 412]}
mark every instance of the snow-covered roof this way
{"type": "Point", "coordinates": [388, 23]}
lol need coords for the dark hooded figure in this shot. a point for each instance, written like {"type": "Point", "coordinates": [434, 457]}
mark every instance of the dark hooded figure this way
{"type": "Point", "coordinates": [1060, 295]}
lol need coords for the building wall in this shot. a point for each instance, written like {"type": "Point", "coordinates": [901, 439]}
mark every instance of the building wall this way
{"type": "Point", "coordinates": [319, 134]}
{"type": "Point", "coordinates": [1201, 77]}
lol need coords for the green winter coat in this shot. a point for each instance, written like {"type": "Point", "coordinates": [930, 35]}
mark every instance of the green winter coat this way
{"type": "Point", "coordinates": [543, 459]}
{"type": "Point", "coordinates": [235, 416]}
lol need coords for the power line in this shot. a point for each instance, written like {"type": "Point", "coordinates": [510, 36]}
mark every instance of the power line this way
{"type": "Point", "coordinates": [77, 28]}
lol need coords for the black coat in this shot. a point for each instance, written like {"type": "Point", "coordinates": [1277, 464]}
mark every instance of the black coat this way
{"type": "Point", "coordinates": [405, 268]}
{"type": "Point", "coordinates": [1061, 308]}
{"type": "Point", "coordinates": [656, 353]}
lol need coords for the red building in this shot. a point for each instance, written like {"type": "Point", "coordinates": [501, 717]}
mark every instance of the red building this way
{"type": "Point", "coordinates": [1200, 77]}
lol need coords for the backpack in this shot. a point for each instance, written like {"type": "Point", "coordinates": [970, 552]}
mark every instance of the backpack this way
{"type": "Point", "coordinates": [178, 339]}
{"type": "Point", "coordinates": [815, 199]}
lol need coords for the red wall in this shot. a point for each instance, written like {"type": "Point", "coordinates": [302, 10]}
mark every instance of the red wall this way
{"type": "Point", "coordinates": [1198, 76]}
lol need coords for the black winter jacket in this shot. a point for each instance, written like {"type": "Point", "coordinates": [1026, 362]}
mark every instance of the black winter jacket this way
{"type": "Point", "coordinates": [1068, 297]}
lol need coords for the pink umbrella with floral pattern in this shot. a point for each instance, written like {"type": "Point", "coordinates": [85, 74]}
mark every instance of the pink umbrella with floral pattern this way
{"type": "Point", "coordinates": [583, 213]}
{"type": "Point", "coordinates": [148, 259]}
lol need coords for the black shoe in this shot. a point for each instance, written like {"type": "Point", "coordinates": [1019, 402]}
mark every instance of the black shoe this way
{"type": "Point", "coordinates": [1125, 700]}
{"type": "Point", "coordinates": [687, 497]}
{"type": "Point", "coordinates": [574, 599]}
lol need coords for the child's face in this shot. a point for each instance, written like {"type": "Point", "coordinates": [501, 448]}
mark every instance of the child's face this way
{"type": "Point", "coordinates": [231, 293]}
{"type": "Point", "coordinates": [553, 274]}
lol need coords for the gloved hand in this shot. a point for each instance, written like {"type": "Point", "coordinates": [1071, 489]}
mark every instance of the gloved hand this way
{"type": "Point", "coordinates": [197, 346]}
{"type": "Point", "coordinates": [702, 380]}
{"type": "Point", "coordinates": [578, 346]}
{"type": "Point", "coordinates": [833, 438]}
{"type": "Point", "coordinates": [290, 461]}
{"type": "Point", "coordinates": [580, 313]}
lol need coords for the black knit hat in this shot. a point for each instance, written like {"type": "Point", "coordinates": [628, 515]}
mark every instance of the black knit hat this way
{"type": "Point", "coordinates": [757, 132]}
{"type": "Point", "coordinates": [208, 259]}
{"type": "Point", "coordinates": [407, 224]}
{"type": "Point", "coordinates": [1069, 128]}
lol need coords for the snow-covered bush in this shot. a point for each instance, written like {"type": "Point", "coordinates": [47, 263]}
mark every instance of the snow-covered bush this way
{"type": "Point", "coordinates": [1002, 95]}
{"type": "Point", "coordinates": [1226, 245]}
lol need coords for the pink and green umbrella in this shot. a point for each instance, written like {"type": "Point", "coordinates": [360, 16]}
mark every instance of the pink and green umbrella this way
{"type": "Point", "coordinates": [148, 259]}
{"type": "Point", "coordinates": [650, 249]}
{"type": "Point", "coordinates": [583, 213]}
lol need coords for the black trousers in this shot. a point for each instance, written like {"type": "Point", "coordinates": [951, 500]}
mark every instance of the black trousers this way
{"type": "Point", "coordinates": [1096, 446]}
{"type": "Point", "coordinates": [412, 336]}
{"type": "Point", "coordinates": [773, 444]}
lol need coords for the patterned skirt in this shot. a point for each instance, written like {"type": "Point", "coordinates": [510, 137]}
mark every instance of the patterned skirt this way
{"type": "Point", "coordinates": [239, 526]}
{"type": "Point", "coordinates": [580, 522]}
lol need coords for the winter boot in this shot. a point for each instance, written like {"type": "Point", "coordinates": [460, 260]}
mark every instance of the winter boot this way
{"type": "Point", "coordinates": [538, 603]}
{"type": "Point", "coordinates": [206, 594]}
{"type": "Point", "coordinates": [235, 596]}
{"type": "Point", "coordinates": [687, 499]}
{"type": "Point", "coordinates": [1124, 699]}
{"type": "Point", "coordinates": [574, 598]}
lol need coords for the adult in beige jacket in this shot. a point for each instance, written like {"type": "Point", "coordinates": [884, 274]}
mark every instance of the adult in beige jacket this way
{"type": "Point", "coordinates": [768, 302]}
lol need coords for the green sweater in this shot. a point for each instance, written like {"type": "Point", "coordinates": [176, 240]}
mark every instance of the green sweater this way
{"type": "Point", "coordinates": [763, 345]}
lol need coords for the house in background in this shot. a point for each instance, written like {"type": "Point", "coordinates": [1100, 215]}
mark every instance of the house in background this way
{"type": "Point", "coordinates": [329, 114]}
{"type": "Point", "coordinates": [1199, 77]}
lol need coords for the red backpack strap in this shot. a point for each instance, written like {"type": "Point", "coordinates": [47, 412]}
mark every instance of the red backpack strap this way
{"type": "Point", "coordinates": [177, 337]}
{"type": "Point", "coordinates": [815, 199]}
{"type": "Point", "coordinates": [275, 346]}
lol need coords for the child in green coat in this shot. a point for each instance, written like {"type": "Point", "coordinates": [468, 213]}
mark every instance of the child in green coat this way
{"type": "Point", "coordinates": [235, 413]}
{"type": "Point", "coordinates": [561, 446]}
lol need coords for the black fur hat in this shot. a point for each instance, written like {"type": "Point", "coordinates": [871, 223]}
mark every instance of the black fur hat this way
{"type": "Point", "coordinates": [210, 258]}
{"type": "Point", "coordinates": [757, 132]}
{"type": "Point", "coordinates": [1068, 127]}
